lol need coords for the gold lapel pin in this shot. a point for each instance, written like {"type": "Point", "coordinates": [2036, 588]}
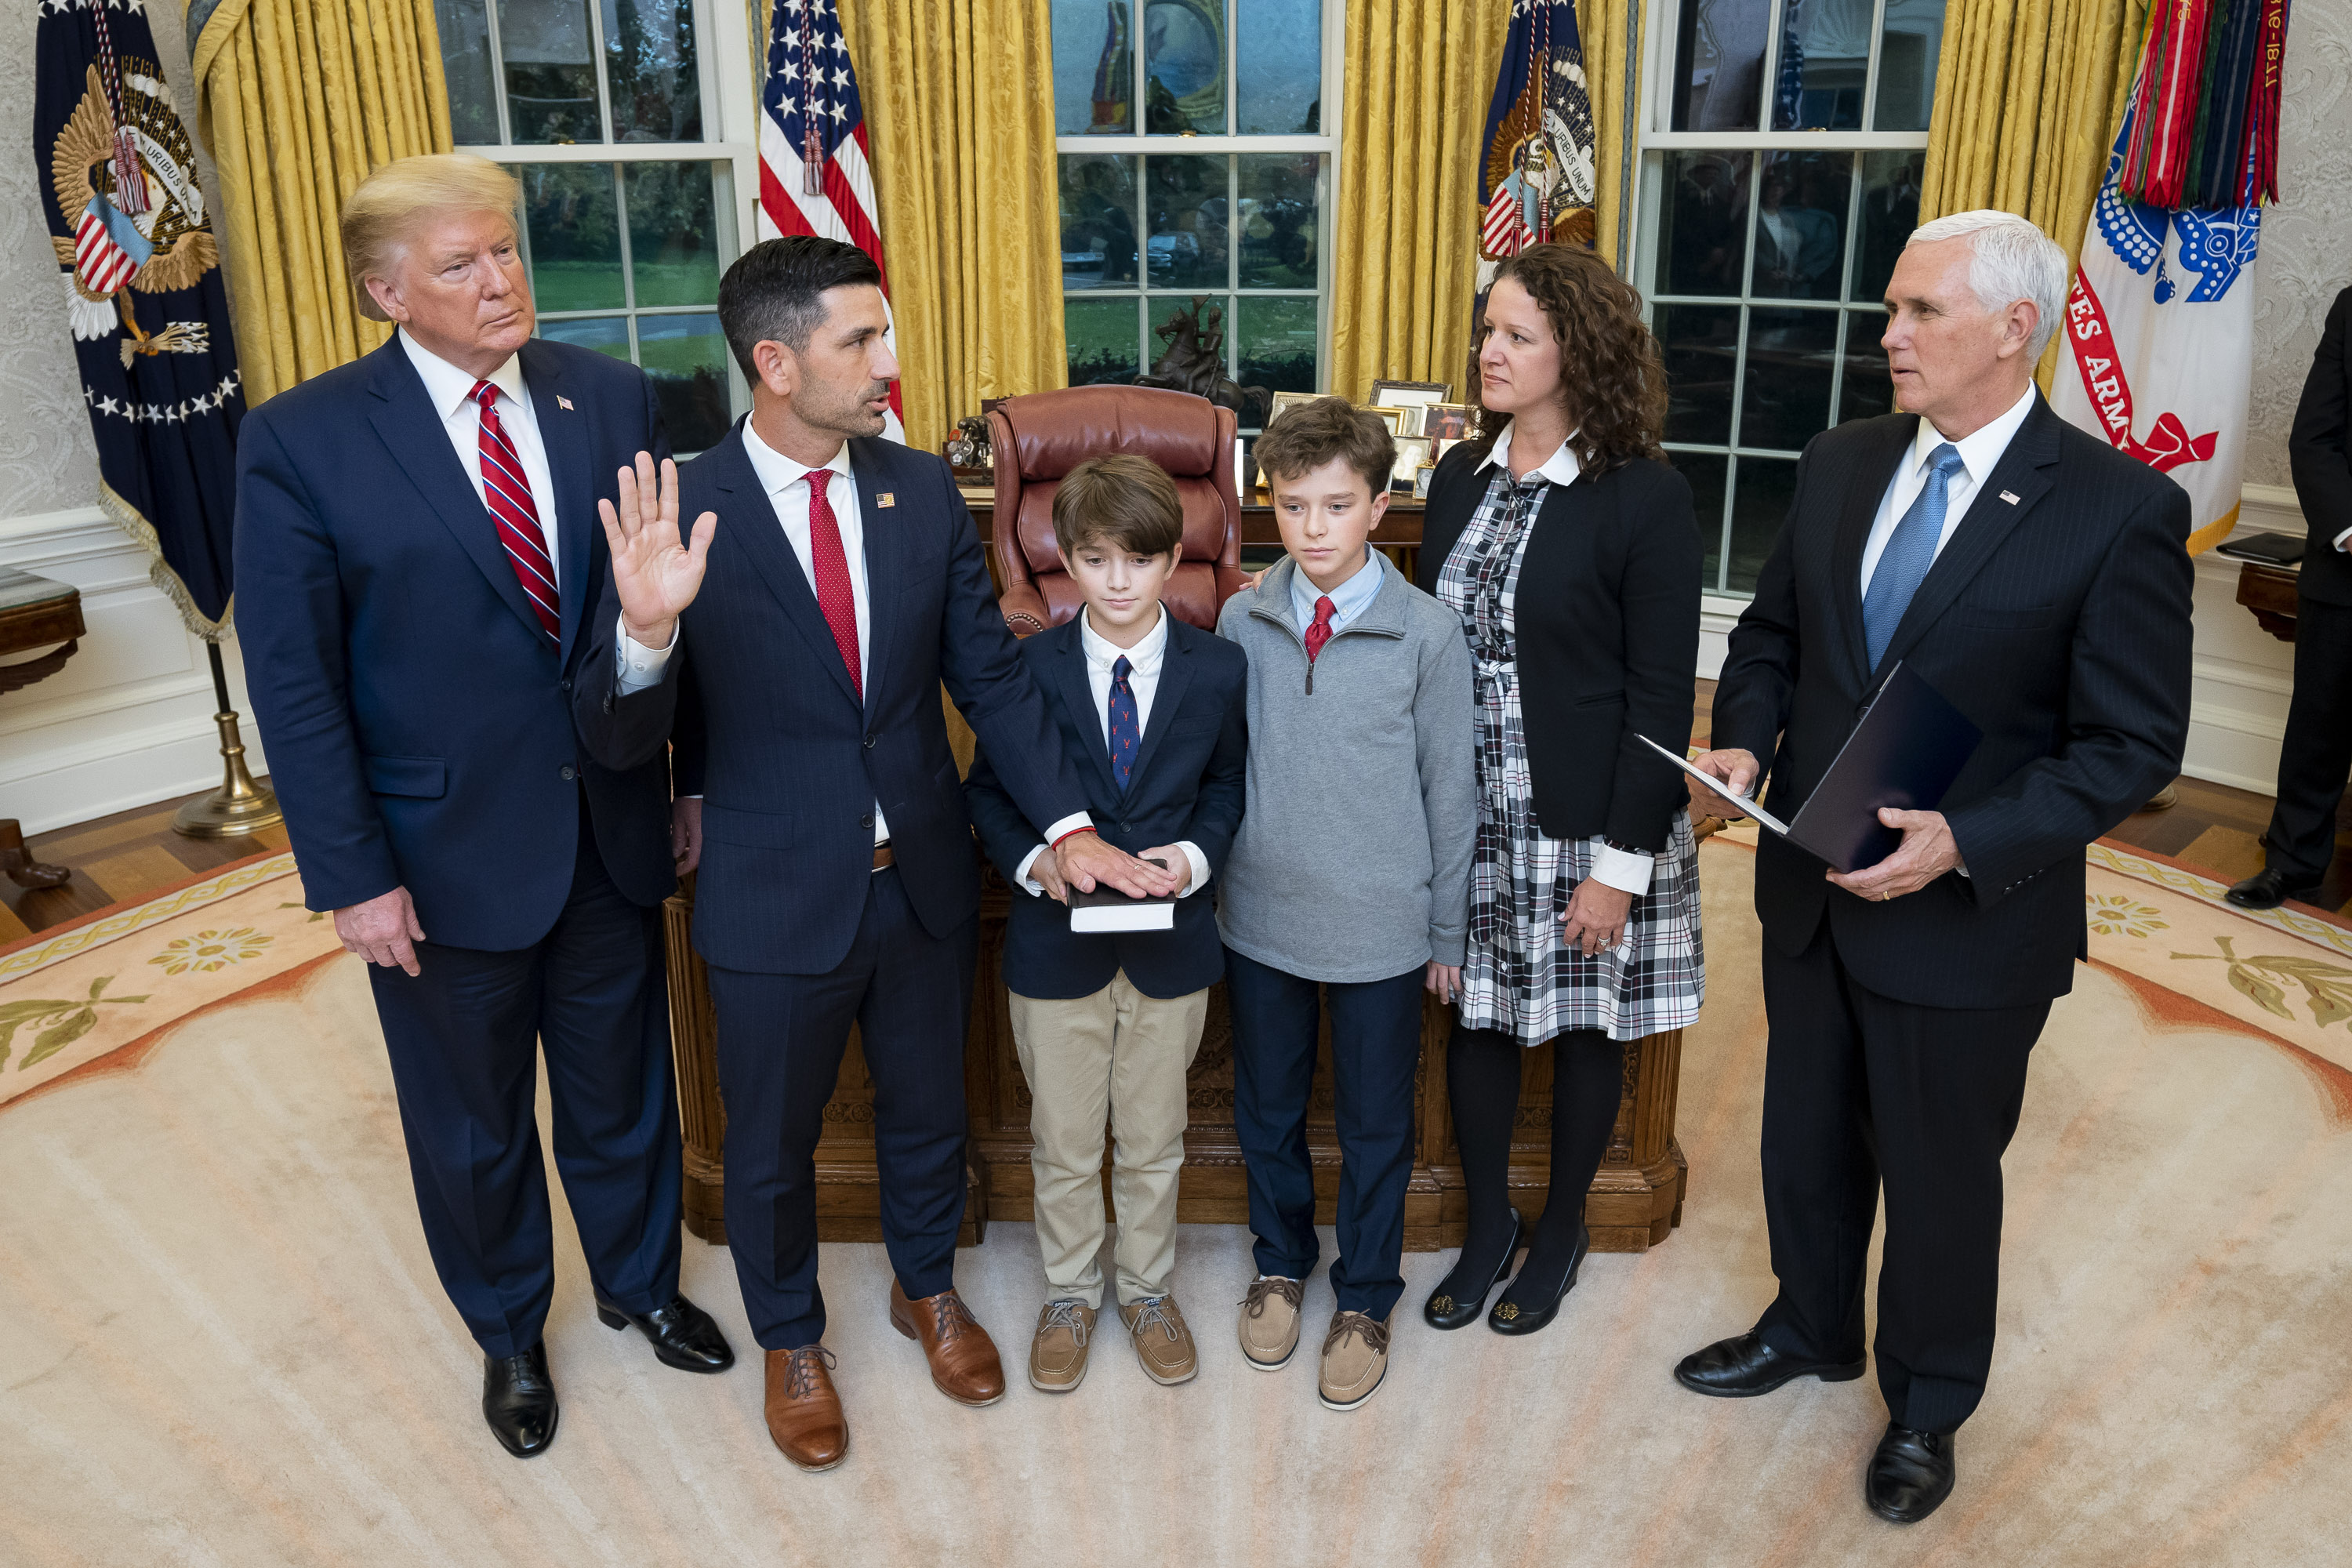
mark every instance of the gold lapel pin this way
{"type": "Point", "coordinates": [887, 498]}
{"type": "Point", "coordinates": [563, 402]}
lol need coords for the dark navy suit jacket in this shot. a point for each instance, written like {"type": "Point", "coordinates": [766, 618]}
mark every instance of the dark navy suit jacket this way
{"type": "Point", "coordinates": [788, 755]}
{"type": "Point", "coordinates": [1187, 784]}
{"type": "Point", "coordinates": [418, 718]}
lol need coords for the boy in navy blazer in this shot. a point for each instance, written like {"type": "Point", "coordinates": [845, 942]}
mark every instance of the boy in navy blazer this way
{"type": "Point", "coordinates": [1151, 716]}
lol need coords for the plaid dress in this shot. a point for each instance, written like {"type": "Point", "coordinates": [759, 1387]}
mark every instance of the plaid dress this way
{"type": "Point", "coordinates": [1520, 977]}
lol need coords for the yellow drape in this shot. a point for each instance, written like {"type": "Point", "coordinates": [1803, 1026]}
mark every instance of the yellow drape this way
{"type": "Point", "coordinates": [959, 115]}
{"type": "Point", "coordinates": [1416, 84]}
{"type": "Point", "coordinates": [2028, 97]}
{"type": "Point", "coordinates": [298, 100]}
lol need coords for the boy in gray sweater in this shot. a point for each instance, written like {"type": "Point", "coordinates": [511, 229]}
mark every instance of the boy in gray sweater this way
{"type": "Point", "coordinates": [1347, 886]}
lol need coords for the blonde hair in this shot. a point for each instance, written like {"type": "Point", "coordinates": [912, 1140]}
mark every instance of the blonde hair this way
{"type": "Point", "coordinates": [382, 214]}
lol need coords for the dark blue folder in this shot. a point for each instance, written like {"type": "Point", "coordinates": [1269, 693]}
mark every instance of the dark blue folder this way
{"type": "Point", "coordinates": [1910, 745]}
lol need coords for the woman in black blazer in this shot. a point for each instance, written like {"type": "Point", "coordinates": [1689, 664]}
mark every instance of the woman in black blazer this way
{"type": "Point", "coordinates": [1568, 548]}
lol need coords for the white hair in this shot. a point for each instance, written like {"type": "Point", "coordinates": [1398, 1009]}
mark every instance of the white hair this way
{"type": "Point", "coordinates": [2011, 260]}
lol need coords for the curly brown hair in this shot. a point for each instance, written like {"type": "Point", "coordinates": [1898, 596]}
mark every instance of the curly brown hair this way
{"type": "Point", "coordinates": [1611, 375]}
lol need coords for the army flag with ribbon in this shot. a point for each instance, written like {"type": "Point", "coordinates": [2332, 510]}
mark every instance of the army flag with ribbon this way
{"type": "Point", "coordinates": [1536, 178]}
{"type": "Point", "coordinates": [140, 285]}
{"type": "Point", "coordinates": [2160, 324]}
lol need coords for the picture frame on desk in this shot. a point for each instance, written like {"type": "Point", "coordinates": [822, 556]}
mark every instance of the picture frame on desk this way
{"type": "Point", "coordinates": [1394, 419]}
{"type": "Point", "coordinates": [1410, 395]}
{"type": "Point", "coordinates": [1420, 478]}
{"type": "Point", "coordinates": [1287, 400]}
{"type": "Point", "coordinates": [1413, 455]}
{"type": "Point", "coordinates": [1447, 421]}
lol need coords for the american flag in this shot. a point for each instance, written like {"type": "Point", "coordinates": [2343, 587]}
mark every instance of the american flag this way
{"type": "Point", "coordinates": [109, 249]}
{"type": "Point", "coordinates": [814, 176]}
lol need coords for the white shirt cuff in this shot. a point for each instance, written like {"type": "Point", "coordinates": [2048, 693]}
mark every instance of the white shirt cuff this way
{"type": "Point", "coordinates": [1027, 883]}
{"type": "Point", "coordinates": [1622, 870]}
{"type": "Point", "coordinates": [2342, 537]}
{"type": "Point", "coordinates": [640, 666]}
{"type": "Point", "coordinates": [1200, 868]}
{"type": "Point", "coordinates": [1069, 826]}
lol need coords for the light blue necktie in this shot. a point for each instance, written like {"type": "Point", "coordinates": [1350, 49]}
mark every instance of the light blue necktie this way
{"type": "Point", "coordinates": [1910, 550]}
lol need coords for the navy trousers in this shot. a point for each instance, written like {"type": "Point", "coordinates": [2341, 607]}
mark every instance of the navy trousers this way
{"type": "Point", "coordinates": [464, 1038]}
{"type": "Point", "coordinates": [780, 1040]}
{"type": "Point", "coordinates": [1861, 1090]}
{"type": "Point", "coordinates": [2319, 746]}
{"type": "Point", "coordinates": [1375, 1050]}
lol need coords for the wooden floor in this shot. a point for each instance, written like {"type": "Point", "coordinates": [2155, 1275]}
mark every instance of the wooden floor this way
{"type": "Point", "coordinates": [132, 854]}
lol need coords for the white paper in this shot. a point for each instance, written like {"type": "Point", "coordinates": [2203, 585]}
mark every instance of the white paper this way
{"type": "Point", "coordinates": [1746, 806]}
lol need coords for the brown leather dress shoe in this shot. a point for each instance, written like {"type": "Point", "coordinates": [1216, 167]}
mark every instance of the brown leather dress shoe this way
{"type": "Point", "coordinates": [963, 1358]}
{"type": "Point", "coordinates": [803, 1411]}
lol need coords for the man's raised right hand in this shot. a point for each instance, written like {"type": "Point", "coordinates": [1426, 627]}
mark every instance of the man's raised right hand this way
{"type": "Point", "coordinates": [655, 576]}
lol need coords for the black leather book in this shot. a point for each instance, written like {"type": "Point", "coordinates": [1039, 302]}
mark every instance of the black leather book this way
{"type": "Point", "coordinates": [1109, 909]}
{"type": "Point", "coordinates": [2271, 549]}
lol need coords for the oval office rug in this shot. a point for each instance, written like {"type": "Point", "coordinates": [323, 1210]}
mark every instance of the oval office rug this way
{"type": "Point", "coordinates": [225, 1343]}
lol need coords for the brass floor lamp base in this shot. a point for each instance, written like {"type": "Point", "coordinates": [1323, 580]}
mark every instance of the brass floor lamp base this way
{"type": "Point", "coordinates": [239, 807]}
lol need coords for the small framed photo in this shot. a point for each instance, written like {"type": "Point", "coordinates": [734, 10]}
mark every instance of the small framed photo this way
{"type": "Point", "coordinates": [1394, 419]}
{"type": "Point", "coordinates": [1288, 400]}
{"type": "Point", "coordinates": [1413, 454]}
{"type": "Point", "coordinates": [1440, 445]}
{"type": "Point", "coordinates": [1410, 395]}
{"type": "Point", "coordinates": [1420, 478]}
{"type": "Point", "coordinates": [1447, 421]}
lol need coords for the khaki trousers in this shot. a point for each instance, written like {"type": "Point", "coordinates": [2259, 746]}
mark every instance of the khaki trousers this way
{"type": "Point", "coordinates": [1117, 1057]}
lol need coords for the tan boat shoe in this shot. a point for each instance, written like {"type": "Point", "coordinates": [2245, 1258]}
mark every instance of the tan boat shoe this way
{"type": "Point", "coordinates": [1355, 1359]}
{"type": "Point", "coordinates": [1057, 1353]}
{"type": "Point", "coordinates": [1162, 1341]}
{"type": "Point", "coordinates": [1269, 1326]}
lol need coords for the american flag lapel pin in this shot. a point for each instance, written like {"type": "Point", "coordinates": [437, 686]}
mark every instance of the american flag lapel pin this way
{"type": "Point", "coordinates": [887, 498]}
{"type": "Point", "coordinates": [563, 402]}
{"type": "Point", "coordinates": [2009, 496]}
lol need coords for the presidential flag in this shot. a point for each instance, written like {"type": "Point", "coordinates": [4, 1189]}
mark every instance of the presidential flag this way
{"type": "Point", "coordinates": [1536, 178]}
{"type": "Point", "coordinates": [138, 281]}
{"type": "Point", "coordinates": [814, 174]}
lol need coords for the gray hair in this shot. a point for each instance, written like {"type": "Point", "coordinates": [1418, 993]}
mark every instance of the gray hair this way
{"type": "Point", "coordinates": [2011, 260]}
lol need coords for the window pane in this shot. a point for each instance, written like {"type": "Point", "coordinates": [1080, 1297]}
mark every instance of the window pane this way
{"type": "Point", "coordinates": [1094, 68]}
{"type": "Point", "coordinates": [1098, 221]}
{"type": "Point", "coordinates": [1702, 223]}
{"type": "Point", "coordinates": [550, 70]}
{"type": "Point", "coordinates": [466, 65]}
{"type": "Point", "coordinates": [1103, 339]}
{"type": "Point", "coordinates": [1786, 397]}
{"type": "Point", "coordinates": [1277, 344]}
{"type": "Point", "coordinates": [686, 357]}
{"type": "Point", "coordinates": [1701, 345]}
{"type": "Point", "coordinates": [1890, 211]}
{"type": "Point", "coordinates": [1868, 389]}
{"type": "Point", "coordinates": [605, 334]}
{"type": "Point", "coordinates": [649, 68]}
{"type": "Point", "coordinates": [1719, 65]}
{"type": "Point", "coordinates": [1184, 67]}
{"type": "Point", "coordinates": [1801, 209]}
{"type": "Point", "coordinates": [1186, 199]}
{"type": "Point", "coordinates": [672, 243]}
{"type": "Point", "coordinates": [1705, 473]}
{"type": "Point", "coordinates": [1278, 67]}
{"type": "Point", "coordinates": [1762, 489]}
{"type": "Point", "coordinates": [1824, 65]}
{"type": "Point", "coordinates": [1213, 321]}
{"type": "Point", "coordinates": [1907, 64]}
{"type": "Point", "coordinates": [1281, 194]}
{"type": "Point", "coordinates": [573, 233]}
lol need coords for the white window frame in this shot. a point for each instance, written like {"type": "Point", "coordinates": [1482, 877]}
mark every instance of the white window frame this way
{"type": "Point", "coordinates": [1654, 139]}
{"type": "Point", "coordinates": [730, 122]}
{"type": "Point", "coordinates": [1325, 142]}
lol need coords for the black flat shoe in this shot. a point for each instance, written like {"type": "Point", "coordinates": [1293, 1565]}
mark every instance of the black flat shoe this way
{"type": "Point", "coordinates": [2267, 890]}
{"type": "Point", "coordinates": [1743, 1367]}
{"type": "Point", "coordinates": [1909, 1476]}
{"type": "Point", "coordinates": [1511, 1317]}
{"type": "Point", "coordinates": [518, 1400]}
{"type": "Point", "coordinates": [683, 1335]}
{"type": "Point", "coordinates": [1451, 1305]}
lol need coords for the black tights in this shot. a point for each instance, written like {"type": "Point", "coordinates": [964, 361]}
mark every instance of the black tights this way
{"type": "Point", "coordinates": [1482, 1075]}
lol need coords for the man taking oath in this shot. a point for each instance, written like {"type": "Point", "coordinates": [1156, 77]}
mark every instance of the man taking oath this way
{"type": "Point", "coordinates": [838, 880]}
{"type": "Point", "coordinates": [2039, 579]}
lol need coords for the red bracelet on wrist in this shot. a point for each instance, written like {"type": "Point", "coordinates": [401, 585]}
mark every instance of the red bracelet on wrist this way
{"type": "Point", "coordinates": [1072, 833]}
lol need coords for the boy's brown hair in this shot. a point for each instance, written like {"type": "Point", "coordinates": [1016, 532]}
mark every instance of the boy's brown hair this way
{"type": "Point", "coordinates": [1125, 501]}
{"type": "Point", "coordinates": [1312, 433]}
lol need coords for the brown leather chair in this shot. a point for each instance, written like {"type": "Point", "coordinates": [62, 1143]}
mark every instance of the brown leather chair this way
{"type": "Point", "coordinates": [1039, 438]}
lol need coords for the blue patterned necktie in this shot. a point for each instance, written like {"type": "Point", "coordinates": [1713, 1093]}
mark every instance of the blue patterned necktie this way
{"type": "Point", "coordinates": [1125, 733]}
{"type": "Point", "coordinates": [1910, 550]}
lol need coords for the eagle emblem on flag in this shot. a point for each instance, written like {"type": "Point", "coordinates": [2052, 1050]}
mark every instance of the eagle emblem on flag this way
{"type": "Point", "coordinates": [1535, 176]}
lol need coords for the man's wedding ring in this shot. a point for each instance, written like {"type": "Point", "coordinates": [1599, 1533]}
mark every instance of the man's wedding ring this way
{"type": "Point", "coordinates": [1884, 894]}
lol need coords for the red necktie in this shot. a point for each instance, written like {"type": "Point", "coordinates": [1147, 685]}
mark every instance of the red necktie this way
{"type": "Point", "coordinates": [508, 495]}
{"type": "Point", "coordinates": [1320, 632]}
{"type": "Point", "coordinates": [833, 596]}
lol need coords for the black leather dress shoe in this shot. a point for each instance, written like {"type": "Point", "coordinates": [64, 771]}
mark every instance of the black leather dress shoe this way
{"type": "Point", "coordinates": [683, 1335]}
{"type": "Point", "coordinates": [1744, 1366]}
{"type": "Point", "coordinates": [1511, 1317]}
{"type": "Point", "coordinates": [518, 1400]}
{"type": "Point", "coordinates": [1909, 1476]}
{"type": "Point", "coordinates": [2267, 890]}
{"type": "Point", "coordinates": [1452, 1306]}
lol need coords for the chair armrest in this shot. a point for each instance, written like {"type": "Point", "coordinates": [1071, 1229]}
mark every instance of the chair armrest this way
{"type": "Point", "coordinates": [1024, 609]}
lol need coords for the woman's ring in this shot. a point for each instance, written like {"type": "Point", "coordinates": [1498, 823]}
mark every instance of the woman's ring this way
{"type": "Point", "coordinates": [1884, 894]}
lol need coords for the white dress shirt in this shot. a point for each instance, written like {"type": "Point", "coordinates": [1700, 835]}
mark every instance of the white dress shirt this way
{"type": "Point", "coordinates": [451, 391]}
{"type": "Point", "coordinates": [1143, 662]}
{"type": "Point", "coordinates": [1978, 453]}
{"type": "Point", "coordinates": [1627, 870]}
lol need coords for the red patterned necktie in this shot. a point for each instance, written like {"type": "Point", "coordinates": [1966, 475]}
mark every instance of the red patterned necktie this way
{"type": "Point", "coordinates": [508, 495]}
{"type": "Point", "coordinates": [1320, 632]}
{"type": "Point", "coordinates": [833, 596]}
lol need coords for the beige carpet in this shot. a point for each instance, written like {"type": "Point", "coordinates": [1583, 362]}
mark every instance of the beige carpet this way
{"type": "Point", "coordinates": [224, 1343]}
